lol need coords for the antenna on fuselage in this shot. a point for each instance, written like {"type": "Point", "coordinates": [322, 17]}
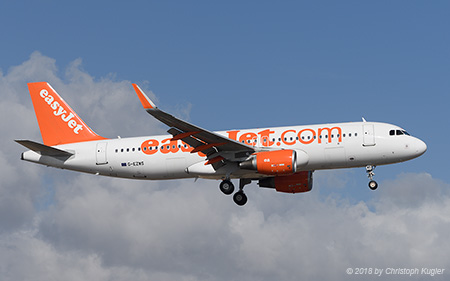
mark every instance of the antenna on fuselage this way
{"type": "Point", "coordinates": [364, 120]}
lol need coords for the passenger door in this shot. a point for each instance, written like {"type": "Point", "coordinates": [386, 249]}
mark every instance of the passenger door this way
{"type": "Point", "coordinates": [369, 135]}
{"type": "Point", "coordinates": [100, 153]}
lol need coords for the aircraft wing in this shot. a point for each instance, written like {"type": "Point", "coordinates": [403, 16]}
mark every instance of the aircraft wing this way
{"type": "Point", "coordinates": [215, 146]}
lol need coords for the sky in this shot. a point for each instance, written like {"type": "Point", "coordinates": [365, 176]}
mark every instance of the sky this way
{"type": "Point", "coordinates": [226, 65]}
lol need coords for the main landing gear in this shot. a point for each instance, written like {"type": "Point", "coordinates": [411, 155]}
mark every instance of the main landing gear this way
{"type": "Point", "coordinates": [372, 184]}
{"type": "Point", "coordinates": [227, 187]}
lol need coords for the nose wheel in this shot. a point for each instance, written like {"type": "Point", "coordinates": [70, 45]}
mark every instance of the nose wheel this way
{"type": "Point", "coordinates": [372, 184]}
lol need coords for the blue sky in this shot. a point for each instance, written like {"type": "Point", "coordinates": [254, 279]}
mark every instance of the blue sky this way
{"type": "Point", "coordinates": [235, 64]}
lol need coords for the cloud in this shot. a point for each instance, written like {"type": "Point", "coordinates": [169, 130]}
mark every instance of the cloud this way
{"type": "Point", "coordinates": [413, 190]}
{"type": "Point", "coordinates": [58, 224]}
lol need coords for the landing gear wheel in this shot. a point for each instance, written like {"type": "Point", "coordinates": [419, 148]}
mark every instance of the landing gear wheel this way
{"type": "Point", "coordinates": [240, 198]}
{"type": "Point", "coordinates": [226, 187]}
{"type": "Point", "coordinates": [373, 185]}
{"type": "Point", "coordinates": [369, 170]}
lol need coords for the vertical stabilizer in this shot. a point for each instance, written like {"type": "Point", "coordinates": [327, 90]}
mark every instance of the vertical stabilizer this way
{"type": "Point", "coordinates": [58, 123]}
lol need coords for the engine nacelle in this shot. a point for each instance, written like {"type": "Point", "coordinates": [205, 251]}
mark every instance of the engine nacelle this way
{"type": "Point", "coordinates": [279, 162]}
{"type": "Point", "coordinates": [296, 183]}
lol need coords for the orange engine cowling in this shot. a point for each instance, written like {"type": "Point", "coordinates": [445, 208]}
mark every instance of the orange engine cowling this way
{"type": "Point", "coordinates": [296, 183]}
{"type": "Point", "coordinates": [279, 162]}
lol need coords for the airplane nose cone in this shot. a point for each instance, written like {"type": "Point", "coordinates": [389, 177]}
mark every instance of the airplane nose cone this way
{"type": "Point", "coordinates": [421, 147]}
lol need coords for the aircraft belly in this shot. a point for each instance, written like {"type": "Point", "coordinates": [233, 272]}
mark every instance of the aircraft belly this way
{"type": "Point", "coordinates": [335, 156]}
{"type": "Point", "coordinates": [326, 157]}
{"type": "Point", "coordinates": [155, 168]}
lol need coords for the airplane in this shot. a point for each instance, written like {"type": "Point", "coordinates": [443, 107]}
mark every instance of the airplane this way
{"type": "Point", "coordinates": [280, 158]}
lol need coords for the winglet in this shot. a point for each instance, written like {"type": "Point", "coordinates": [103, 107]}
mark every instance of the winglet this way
{"type": "Point", "coordinates": [145, 100]}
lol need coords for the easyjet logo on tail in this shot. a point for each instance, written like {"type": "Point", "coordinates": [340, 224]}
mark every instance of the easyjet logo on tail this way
{"type": "Point", "coordinates": [60, 111]}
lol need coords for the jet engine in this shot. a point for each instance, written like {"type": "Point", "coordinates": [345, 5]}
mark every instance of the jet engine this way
{"type": "Point", "coordinates": [278, 162]}
{"type": "Point", "coordinates": [296, 183]}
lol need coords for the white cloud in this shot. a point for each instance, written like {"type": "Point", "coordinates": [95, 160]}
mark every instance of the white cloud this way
{"type": "Point", "coordinates": [96, 228]}
{"type": "Point", "coordinates": [413, 190]}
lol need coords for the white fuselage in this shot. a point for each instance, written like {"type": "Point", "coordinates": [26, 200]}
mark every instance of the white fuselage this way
{"type": "Point", "coordinates": [326, 146]}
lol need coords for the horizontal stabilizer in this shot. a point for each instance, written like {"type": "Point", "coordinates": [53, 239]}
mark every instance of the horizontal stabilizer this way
{"type": "Point", "coordinates": [44, 149]}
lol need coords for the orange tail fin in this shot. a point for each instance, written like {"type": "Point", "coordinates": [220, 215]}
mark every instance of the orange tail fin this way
{"type": "Point", "coordinates": [59, 124]}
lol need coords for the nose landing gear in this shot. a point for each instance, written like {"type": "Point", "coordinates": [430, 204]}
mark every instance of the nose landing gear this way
{"type": "Point", "coordinates": [372, 184]}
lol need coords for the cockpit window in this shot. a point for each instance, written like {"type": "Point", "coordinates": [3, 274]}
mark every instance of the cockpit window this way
{"type": "Point", "coordinates": [398, 132]}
